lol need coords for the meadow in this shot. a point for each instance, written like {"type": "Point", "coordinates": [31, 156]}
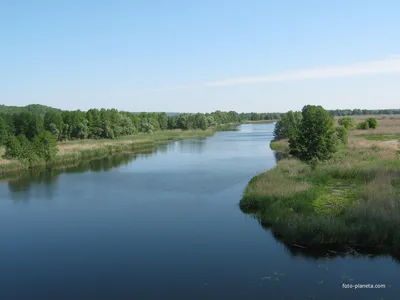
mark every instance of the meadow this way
{"type": "Point", "coordinates": [351, 199]}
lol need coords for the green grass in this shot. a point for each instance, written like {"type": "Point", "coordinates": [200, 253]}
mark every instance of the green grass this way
{"type": "Point", "coordinates": [260, 122]}
{"type": "Point", "coordinates": [352, 199]}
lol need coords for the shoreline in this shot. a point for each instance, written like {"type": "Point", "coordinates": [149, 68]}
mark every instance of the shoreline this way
{"type": "Point", "coordinates": [78, 150]}
{"type": "Point", "coordinates": [352, 199]}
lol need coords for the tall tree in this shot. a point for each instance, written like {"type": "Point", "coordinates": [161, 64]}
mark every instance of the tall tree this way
{"type": "Point", "coordinates": [316, 139]}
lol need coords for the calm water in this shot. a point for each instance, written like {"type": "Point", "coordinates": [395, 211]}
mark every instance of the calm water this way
{"type": "Point", "coordinates": [164, 225]}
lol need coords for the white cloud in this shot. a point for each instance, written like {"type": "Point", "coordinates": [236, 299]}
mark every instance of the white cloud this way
{"type": "Point", "coordinates": [384, 66]}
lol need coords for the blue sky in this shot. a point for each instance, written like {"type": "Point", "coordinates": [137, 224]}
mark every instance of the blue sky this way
{"type": "Point", "coordinates": [186, 55]}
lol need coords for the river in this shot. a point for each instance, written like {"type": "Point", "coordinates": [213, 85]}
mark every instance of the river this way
{"type": "Point", "coordinates": [165, 225]}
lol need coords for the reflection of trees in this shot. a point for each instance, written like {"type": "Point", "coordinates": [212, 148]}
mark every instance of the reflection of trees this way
{"type": "Point", "coordinates": [37, 175]}
{"type": "Point", "coordinates": [323, 252]}
{"type": "Point", "coordinates": [20, 186]}
{"type": "Point", "coordinates": [192, 146]}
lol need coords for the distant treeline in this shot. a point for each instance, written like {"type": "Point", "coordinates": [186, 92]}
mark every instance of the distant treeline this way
{"type": "Point", "coordinates": [108, 123]}
{"type": "Point", "coordinates": [356, 112]}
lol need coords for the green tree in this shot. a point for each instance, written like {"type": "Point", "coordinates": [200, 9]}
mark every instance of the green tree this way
{"type": "Point", "coordinates": [45, 145]}
{"type": "Point", "coordinates": [342, 134]}
{"type": "Point", "coordinates": [27, 153]}
{"type": "Point", "coordinates": [53, 122]}
{"type": "Point", "coordinates": [163, 121]}
{"type": "Point", "coordinates": [201, 121]}
{"type": "Point", "coordinates": [172, 122]}
{"type": "Point", "coordinates": [13, 148]}
{"type": "Point", "coordinates": [347, 122]}
{"type": "Point", "coordinates": [20, 148]}
{"type": "Point", "coordinates": [54, 130]}
{"type": "Point", "coordinates": [146, 126]}
{"type": "Point", "coordinates": [316, 139]}
{"type": "Point", "coordinates": [3, 131]}
{"type": "Point", "coordinates": [288, 125]}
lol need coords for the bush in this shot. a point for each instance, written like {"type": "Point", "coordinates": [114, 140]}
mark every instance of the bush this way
{"type": "Point", "coordinates": [372, 122]}
{"type": "Point", "coordinates": [342, 135]}
{"type": "Point", "coordinates": [363, 125]}
{"type": "Point", "coordinates": [346, 122]}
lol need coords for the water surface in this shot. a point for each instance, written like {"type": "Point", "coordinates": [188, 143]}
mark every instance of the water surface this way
{"type": "Point", "coordinates": [164, 225]}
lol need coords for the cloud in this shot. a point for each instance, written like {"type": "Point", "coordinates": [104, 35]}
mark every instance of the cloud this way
{"type": "Point", "coordinates": [384, 66]}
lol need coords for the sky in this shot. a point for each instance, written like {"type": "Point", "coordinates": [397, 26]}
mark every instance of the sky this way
{"type": "Point", "coordinates": [200, 56]}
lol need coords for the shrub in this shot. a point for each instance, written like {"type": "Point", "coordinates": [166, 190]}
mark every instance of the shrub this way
{"type": "Point", "coordinates": [346, 122]}
{"type": "Point", "coordinates": [363, 125]}
{"type": "Point", "coordinates": [372, 122]}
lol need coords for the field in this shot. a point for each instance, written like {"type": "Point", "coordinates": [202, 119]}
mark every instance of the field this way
{"type": "Point", "coordinates": [352, 199]}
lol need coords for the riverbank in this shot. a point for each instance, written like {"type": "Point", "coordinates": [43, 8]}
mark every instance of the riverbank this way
{"type": "Point", "coordinates": [74, 151]}
{"type": "Point", "coordinates": [352, 199]}
{"type": "Point", "coordinates": [260, 122]}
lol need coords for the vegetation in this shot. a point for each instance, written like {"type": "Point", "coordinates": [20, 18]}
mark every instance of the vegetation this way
{"type": "Point", "coordinates": [368, 123]}
{"type": "Point", "coordinates": [352, 198]}
{"type": "Point", "coordinates": [280, 145]}
{"type": "Point", "coordinates": [382, 137]}
{"type": "Point", "coordinates": [342, 135]}
{"type": "Point", "coordinates": [30, 134]}
{"type": "Point", "coordinates": [359, 112]}
{"type": "Point", "coordinates": [287, 126]}
{"type": "Point", "coordinates": [316, 138]}
{"type": "Point", "coordinates": [78, 150]}
{"type": "Point", "coordinates": [346, 122]}
{"type": "Point", "coordinates": [372, 123]}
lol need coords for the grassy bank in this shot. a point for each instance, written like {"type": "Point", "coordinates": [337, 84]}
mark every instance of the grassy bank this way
{"type": "Point", "coordinates": [259, 122]}
{"type": "Point", "coordinates": [74, 151]}
{"type": "Point", "coordinates": [280, 145]}
{"type": "Point", "coordinates": [353, 199]}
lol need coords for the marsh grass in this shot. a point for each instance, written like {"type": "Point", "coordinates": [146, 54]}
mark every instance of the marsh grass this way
{"type": "Point", "coordinates": [352, 199]}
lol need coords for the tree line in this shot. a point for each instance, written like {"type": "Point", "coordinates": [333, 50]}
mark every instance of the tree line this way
{"type": "Point", "coordinates": [357, 112]}
{"type": "Point", "coordinates": [110, 123]}
{"type": "Point", "coordinates": [31, 135]}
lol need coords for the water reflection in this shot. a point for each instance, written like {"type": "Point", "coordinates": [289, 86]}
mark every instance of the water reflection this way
{"type": "Point", "coordinates": [191, 146]}
{"type": "Point", "coordinates": [323, 252]}
{"type": "Point", "coordinates": [20, 185]}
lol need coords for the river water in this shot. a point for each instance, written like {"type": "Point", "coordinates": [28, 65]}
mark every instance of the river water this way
{"type": "Point", "coordinates": [164, 225]}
